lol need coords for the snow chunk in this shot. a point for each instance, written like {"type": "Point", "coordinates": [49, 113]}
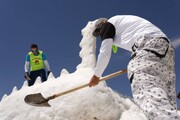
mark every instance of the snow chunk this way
{"type": "Point", "coordinates": [14, 89]}
{"type": "Point", "coordinates": [51, 76]}
{"type": "Point", "coordinates": [38, 80]}
{"type": "Point", "coordinates": [4, 96]}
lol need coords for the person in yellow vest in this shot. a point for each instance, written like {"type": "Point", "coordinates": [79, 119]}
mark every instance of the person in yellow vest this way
{"type": "Point", "coordinates": [37, 62]}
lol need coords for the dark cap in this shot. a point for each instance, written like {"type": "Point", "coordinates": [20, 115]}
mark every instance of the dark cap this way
{"type": "Point", "coordinates": [34, 46]}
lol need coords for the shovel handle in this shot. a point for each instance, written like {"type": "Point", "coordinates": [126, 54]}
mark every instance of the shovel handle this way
{"type": "Point", "coordinates": [85, 85]}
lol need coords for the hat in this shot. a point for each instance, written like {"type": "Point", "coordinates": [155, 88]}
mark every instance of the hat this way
{"type": "Point", "coordinates": [34, 45]}
{"type": "Point", "coordinates": [98, 25]}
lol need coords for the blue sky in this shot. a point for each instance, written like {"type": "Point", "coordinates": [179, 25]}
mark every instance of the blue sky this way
{"type": "Point", "coordinates": [55, 25]}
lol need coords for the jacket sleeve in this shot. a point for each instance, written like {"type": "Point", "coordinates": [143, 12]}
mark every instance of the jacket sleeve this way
{"type": "Point", "coordinates": [26, 66]}
{"type": "Point", "coordinates": [46, 63]}
{"type": "Point", "coordinates": [103, 57]}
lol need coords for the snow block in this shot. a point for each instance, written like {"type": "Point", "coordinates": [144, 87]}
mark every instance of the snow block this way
{"type": "Point", "coordinates": [4, 96]}
{"type": "Point", "coordinates": [38, 80]}
{"type": "Point", "coordinates": [51, 76]}
{"type": "Point", "coordinates": [64, 72]}
{"type": "Point", "coordinates": [25, 84]}
{"type": "Point", "coordinates": [14, 89]}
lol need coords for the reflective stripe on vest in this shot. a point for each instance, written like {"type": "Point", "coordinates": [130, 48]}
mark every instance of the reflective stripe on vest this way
{"type": "Point", "coordinates": [36, 62]}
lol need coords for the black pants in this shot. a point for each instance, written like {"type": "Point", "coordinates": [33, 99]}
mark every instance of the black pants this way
{"type": "Point", "coordinates": [35, 74]}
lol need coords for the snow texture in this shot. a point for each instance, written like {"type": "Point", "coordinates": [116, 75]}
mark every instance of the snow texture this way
{"type": "Point", "coordinates": [96, 103]}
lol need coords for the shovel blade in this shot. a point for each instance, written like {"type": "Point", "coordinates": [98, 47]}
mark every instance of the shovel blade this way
{"type": "Point", "coordinates": [37, 100]}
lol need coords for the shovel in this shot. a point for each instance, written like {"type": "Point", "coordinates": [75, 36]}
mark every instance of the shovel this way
{"type": "Point", "coordinates": [38, 100]}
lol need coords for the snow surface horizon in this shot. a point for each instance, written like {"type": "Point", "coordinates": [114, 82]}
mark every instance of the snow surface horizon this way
{"type": "Point", "coordinates": [96, 103]}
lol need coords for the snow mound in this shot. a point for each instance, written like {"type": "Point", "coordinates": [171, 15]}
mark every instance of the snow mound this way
{"type": "Point", "coordinates": [96, 103]}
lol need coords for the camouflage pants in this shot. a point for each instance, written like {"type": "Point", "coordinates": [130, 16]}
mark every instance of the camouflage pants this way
{"type": "Point", "coordinates": [152, 75]}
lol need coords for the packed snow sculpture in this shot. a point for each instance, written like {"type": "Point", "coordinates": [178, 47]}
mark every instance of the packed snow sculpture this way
{"type": "Point", "coordinates": [96, 103]}
{"type": "Point", "coordinates": [88, 45]}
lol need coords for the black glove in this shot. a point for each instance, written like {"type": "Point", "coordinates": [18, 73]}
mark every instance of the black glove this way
{"type": "Point", "coordinates": [178, 96]}
{"type": "Point", "coordinates": [48, 73]}
{"type": "Point", "coordinates": [26, 76]}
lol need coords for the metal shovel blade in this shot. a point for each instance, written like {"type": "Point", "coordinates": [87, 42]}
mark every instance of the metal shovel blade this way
{"type": "Point", "coordinates": [37, 100]}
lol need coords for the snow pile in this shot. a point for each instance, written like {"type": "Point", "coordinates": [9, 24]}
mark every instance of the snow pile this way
{"type": "Point", "coordinates": [97, 103]}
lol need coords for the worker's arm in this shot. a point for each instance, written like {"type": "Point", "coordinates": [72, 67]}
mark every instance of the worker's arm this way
{"type": "Point", "coordinates": [107, 34]}
{"type": "Point", "coordinates": [26, 68]}
{"type": "Point", "coordinates": [46, 63]}
{"type": "Point", "coordinates": [103, 57]}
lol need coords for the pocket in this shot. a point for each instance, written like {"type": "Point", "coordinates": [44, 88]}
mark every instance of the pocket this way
{"type": "Point", "coordinates": [158, 54]}
{"type": "Point", "coordinates": [158, 46]}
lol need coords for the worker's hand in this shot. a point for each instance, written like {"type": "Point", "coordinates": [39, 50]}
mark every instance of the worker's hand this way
{"type": "Point", "coordinates": [178, 96]}
{"type": "Point", "coordinates": [26, 76]}
{"type": "Point", "coordinates": [94, 81]}
{"type": "Point", "coordinates": [48, 73]}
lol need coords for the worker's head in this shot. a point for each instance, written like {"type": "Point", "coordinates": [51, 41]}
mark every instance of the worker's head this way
{"type": "Point", "coordinates": [34, 48]}
{"type": "Point", "coordinates": [98, 26]}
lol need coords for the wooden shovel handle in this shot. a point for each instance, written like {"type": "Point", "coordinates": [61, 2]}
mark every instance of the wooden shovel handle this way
{"type": "Point", "coordinates": [85, 85]}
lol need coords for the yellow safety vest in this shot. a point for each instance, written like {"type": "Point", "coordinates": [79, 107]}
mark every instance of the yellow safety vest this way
{"type": "Point", "coordinates": [36, 62]}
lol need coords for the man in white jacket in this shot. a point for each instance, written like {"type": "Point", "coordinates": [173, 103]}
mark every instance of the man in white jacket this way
{"type": "Point", "coordinates": [37, 61]}
{"type": "Point", "coordinates": [151, 68]}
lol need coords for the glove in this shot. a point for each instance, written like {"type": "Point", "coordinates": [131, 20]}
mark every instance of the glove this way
{"type": "Point", "coordinates": [48, 73]}
{"type": "Point", "coordinates": [26, 76]}
{"type": "Point", "coordinates": [94, 81]}
{"type": "Point", "coordinates": [178, 96]}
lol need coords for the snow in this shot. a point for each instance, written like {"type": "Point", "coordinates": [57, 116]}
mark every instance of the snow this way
{"type": "Point", "coordinates": [96, 103]}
